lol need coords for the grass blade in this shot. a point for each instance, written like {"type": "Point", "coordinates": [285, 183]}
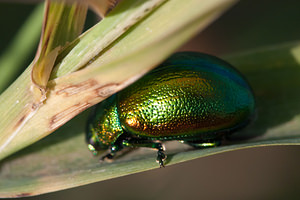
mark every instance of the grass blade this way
{"type": "Point", "coordinates": [62, 160]}
{"type": "Point", "coordinates": [21, 47]}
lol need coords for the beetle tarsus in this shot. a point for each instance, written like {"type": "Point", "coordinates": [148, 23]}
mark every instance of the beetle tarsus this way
{"type": "Point", "coordinates": [108, 156]}
{"type": "Point", "coordinates": [161, 157]}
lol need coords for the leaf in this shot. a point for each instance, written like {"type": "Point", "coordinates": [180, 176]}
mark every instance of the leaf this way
{"type": "Point", "coordinates": [273, 74]}
{"type": "Point", "coordinates": [62, 160]}
{"type": "Point", "coordinates": [98, 38]}
{"type": "Point", "coordinates": [31, 29]}
{"type": "Point", "coordinates": [62, 23]}
{"type": "Point", "coordinates": [108, 65]}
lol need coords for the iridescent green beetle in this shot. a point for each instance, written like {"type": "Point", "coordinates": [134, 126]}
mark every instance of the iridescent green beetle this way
{"type": "Point", "coordinates": [191, 97]}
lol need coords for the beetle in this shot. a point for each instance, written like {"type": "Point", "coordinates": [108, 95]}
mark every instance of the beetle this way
{"type": "Point", "coordinates": [192, 97]}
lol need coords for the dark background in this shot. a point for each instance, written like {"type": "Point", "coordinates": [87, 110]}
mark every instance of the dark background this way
{"type": "Point", "coordinates": [259, 173]}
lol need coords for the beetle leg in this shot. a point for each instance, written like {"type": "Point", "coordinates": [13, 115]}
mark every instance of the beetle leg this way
{"type": "Point", "coordinates": [161, 157]}
{"type": "Point", "coordinates": [129, 141]}
{"type": "Point", "coordinates": [112, 151]}
{"type": "Point", "coordinates": [107, 156]}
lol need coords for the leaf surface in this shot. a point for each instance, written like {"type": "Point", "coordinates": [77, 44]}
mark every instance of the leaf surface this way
{"type": "Point", "coordinates": [62, 160]}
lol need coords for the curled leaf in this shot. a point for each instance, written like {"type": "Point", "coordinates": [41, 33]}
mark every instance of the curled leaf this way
{"type": "Point", "coordinates": [62, 23]}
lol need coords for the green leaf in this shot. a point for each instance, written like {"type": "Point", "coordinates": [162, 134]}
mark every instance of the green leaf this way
{"type": "Point", "coordinates": [20, 46]}
{"type": "Point", "coordinates": [62, 160]}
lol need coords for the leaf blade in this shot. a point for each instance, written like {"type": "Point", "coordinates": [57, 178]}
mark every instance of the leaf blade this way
{"type": "Point", "coordinates": [75, 167]}
{"type": "Point", "coordinates": [21, 47]}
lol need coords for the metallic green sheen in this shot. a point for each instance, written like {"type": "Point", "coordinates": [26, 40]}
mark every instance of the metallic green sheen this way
{"type": "Point", "coordinates": [104, 125]}
{"type": "Point", "coordinates": [190, 97]}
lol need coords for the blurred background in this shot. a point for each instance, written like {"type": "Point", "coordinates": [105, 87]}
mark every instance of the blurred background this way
{"type": "Point", "coordinates": [259, 173]}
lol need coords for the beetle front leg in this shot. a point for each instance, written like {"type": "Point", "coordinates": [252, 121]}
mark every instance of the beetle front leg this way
{"type": "Point", "coordinates": [112, 152]}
